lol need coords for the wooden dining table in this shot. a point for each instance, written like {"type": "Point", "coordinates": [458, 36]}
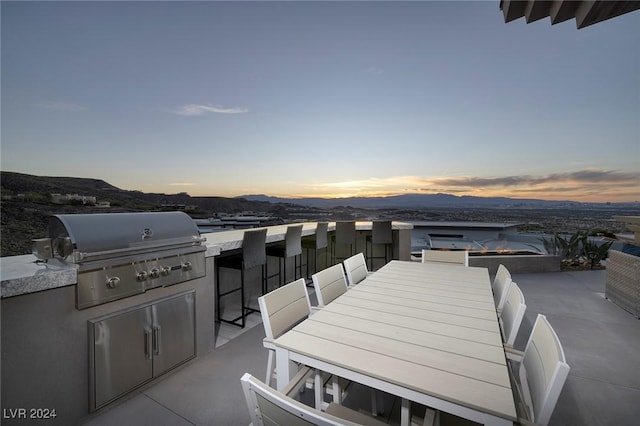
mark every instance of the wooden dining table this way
{"type": "Point", "coordinates": [425, 332]}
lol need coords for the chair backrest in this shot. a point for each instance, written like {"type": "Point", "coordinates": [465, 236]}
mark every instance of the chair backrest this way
{"type": "Point", "coordinates": [345, 232]}
{"type": "Point", "coordinates": [356, 268]}
{"type": "Point", "coordinates": [293, 240]}
{"type": "Point", "coordinates": [501, 289]}
{"type": "Point", "coordinates": [272, 408]}
{"type": "Point", "coordinates": [254, 248]}
{"type": "Point", "coordinates": [460, 257]}
{"type": "Point", "coordinates": [284, 307]}
{"type": "Point", "coordinates": [381, 232]}
{"type": "Point", "coordinates": [543, 371]}
{"type": "Point", "coordinates": [321, 235]}
{"type": "Point", "coordinates": [502, 276]}
{"type": "Point", "coordinates": [512, 314]}
{"type": "Point", "coordinates": [329, 284]}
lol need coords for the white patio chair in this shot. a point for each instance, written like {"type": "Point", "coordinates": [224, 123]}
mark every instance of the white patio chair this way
{"type": "Point", "coordinates": [446, 256]}
{"type": "Point", "coordinates": [272, 408]}
{"type": "Point", "coordinates": [542, 373]}
{"type": "Point", "coordinates": [281, 310]}
{"type": "Point", "coordinates": [356, 269]}
{"type": "Point", "coordinates": [502, 276]}
{"type": "Point", "coordinates": [500, 290]}
{"type": "Point", "coordinates": [329, 284]}
{"type": "Point", "coordinates": [512, 313]}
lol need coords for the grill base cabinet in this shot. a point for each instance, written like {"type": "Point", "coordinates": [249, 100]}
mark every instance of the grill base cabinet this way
{"type": "Point", "coordinates": [131, 347]}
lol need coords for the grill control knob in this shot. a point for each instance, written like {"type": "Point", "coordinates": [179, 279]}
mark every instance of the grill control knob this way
{"type": "Point", "coordinates": [186, 266]}
{"type": "Point", "coordinates": [166, 270]}
{"type": "Point", "coordinates": [154, 273]}
{"type": "Point", "coordinates": [113, 282]}
{"type": "Point", "coordinates": [142, 276]}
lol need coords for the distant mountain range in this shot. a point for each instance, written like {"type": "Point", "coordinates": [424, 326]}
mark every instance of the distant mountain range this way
{"type": "Point", "coordinates": [418, 201]}
{"type": "Point", "coordinates": [14, 183]}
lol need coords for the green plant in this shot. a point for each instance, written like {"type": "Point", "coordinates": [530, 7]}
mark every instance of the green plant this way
{"type": "Point", "coordinates": [567, 249]}
{"type": "Point", "coordinates": [594, 253]}
{"type": "Point", "coordinates": [551, 245]}
{"type": "Point", "coordinates": [577, 249]}
{"type": "Point", "coordinates": [572, 252]}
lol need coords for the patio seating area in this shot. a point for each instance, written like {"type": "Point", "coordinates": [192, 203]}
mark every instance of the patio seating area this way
{"type": "Point", "coordinates": [601, 342]}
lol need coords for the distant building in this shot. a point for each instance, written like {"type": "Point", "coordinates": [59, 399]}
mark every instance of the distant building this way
{"type": "Point", "coordinates": [68, 198]}
{"type": "Point", "coordinates": [471, 236]}
{"type": "Point", "coordinates": [225, 222]}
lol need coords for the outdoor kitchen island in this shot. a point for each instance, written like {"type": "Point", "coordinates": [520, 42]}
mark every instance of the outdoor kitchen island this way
{"type": "Point", "coordinates": [46, 338]}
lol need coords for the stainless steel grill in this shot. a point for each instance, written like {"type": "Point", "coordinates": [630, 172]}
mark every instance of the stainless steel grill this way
{"type": "Point", "coordinates": [122, 254]}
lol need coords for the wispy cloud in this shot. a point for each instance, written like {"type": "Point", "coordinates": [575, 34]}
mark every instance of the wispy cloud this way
{"type": "Point", "coordinates": [582, 185]}
{"type": "Point", "coordinates": [582, 176]}
{"type": "Point", "coordinates": [194, 109]}
{"type": "Point", "coordinates": [181, 184]}
{"type": "Point", "coordinates": [61, 106]}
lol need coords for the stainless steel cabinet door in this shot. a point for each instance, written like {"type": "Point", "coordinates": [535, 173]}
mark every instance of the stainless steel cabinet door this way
{"type": "Point", "coordinates": [173, 332]}
{"type": "Point", "coordinates": [122, 354]}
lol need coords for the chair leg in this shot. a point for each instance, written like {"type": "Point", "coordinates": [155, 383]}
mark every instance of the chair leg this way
{"type": "Point", "coordinates": [242, 312]}
{"type": "Point", "coordinates": [269, 368]}
{"type": "Point", "coordinates": [326, 256]}
{"type": "Point", "coordinates": [217, 307]}
{"type": "Point", "coordinates": [297, 268]}
{"type": "Point", "coordinates": [282, 276]}
{"type": "Point", "coordinates": [315, 265]}
{"type": "Point", "coordinates": [374, 402]}
{"type": "Point", "coordinates": [220, 295]}
{"type": "Point", "coordinates": [337, 395]}
{"type": "Point", "coordinates": [405, 412]}
{"type": "Point", "coordinates": [245, 310]}
{"type": "Point", "coordinates": [318, 389]}
{"type": "Point", "coordinates": [265, 279]}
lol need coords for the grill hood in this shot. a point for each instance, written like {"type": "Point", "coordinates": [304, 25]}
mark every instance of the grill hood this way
{"type": "Point", "coordinates": [83, 237]}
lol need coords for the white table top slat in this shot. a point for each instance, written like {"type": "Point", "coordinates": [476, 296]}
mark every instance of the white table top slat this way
{"type": "Point", "coordinates": [424, 338]}
{"type": "Point", "coordinates": [484, 396]}
{"type": "Point", "coordinates": [442, 304]}
{"type": "Point", "coordinates": [446, 318]}
{"type": "Point", "coordinates": [426, 295]}
{"type": "Point", "coordinates": [410, 323]}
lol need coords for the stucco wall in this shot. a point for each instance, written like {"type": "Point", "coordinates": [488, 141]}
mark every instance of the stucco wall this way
{"type": "Point", "coordinates": [518, 263]}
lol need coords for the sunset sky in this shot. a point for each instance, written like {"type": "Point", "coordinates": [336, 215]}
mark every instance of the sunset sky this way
{"type": "Point", "coordinates": [323, 99]}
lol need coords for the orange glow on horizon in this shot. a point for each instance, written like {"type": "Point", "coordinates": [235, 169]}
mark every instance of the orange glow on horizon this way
{"type": "Point", "coordinates": [581, 186]}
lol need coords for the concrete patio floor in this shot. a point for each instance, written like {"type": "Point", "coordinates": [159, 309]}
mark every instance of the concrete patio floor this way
{"type": "Point", "coordinates": [601, 342]}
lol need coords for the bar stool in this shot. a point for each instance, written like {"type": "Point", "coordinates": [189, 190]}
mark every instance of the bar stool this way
{"type": "Point", "coordinates": [381, 233]}
{"type": "Point", "coordinates": [317, 242]}
{"type": "Point", "coordinates": [292, 247]}
{"type": "Point", "coordinates": [253, 255]}
{"type": "Point", "coordinates": [345, 235]}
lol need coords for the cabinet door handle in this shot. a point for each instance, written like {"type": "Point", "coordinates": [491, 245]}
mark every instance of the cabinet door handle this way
{"type": "Point", "coordinates": [156, 340]}
{"type": "Point", "coordinates": [148, 343]}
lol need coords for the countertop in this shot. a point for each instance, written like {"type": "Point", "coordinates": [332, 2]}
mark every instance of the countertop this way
{"type": "Point", "coordinates": [24, 274]}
